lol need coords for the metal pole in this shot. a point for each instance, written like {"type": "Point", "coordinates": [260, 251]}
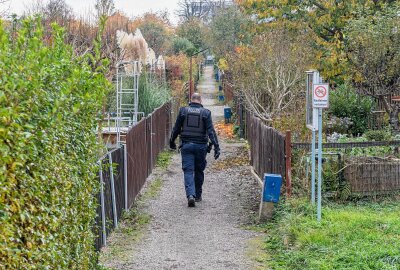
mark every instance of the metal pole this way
{"type": "Point", "coordinates": [313, 167]}
{"type": "Point", "coordinates": [319, 164]}
{"type": "Point", "coordinates": [191, 80]}
{"type": "Point", "coordinates": [315, 80]}
{"type": "Point", "coordinates": [118, 107]}
{"type": "Point", "coordinates": [109, 122]}
{"type": "Point", "coordinates": [288, 158]}
{"type": "Point", "coordinates": [307, 167]}
{"type": "Point", "coordinates": [114, 204]}
{"type": "Point", "coordinates": [151, 141]}
{"type": "Point", "coordinates": [126, 173]}
{"type": "Point", "coordinates": [102, 204]}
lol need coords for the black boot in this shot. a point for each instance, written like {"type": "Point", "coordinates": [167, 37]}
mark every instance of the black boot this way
{"type": "Point", "coordinates": [191, 201]}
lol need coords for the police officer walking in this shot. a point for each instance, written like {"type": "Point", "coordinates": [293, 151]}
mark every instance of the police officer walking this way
{"type": "Point", "coordinates": [195, 127]}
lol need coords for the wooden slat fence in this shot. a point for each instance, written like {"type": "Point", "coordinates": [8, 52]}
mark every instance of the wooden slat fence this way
{"type": "Point", "coordinates": [365, 174]}
{"type": "Point", "coordinates": [144, 142]}
{"type": "Point", "coordinates": [307, 146]}
{"type": "Point", "coordinates": [373, 178]}
{"type": "Point", "coordinates": [267, 147]}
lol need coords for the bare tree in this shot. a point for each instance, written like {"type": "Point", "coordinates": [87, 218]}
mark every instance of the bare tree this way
{"type": "Point", "coordinates": [57, 11]}
{"type": "Point", "coordinates": [34, 7]}
{"type": "Point", "coordinates": [104, 8]}
{"type": "Point", "coordinates": [269, 74]}
{"type": "Point", "coordinates": [194, 9]}
{"type": "Point", "coordinates": [3, 8]}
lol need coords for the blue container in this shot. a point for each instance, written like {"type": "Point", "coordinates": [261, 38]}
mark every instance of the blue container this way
{"type": "Point", "coordinates": [227, 112]}
{"type": "Point", "coordinates": [221, 98]}
{"type": "Point", "coordinates": [220, 87]}
{"type": "Point", "coordinates": [272, 187]}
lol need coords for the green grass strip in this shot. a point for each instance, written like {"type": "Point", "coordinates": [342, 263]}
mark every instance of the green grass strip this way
{"type": "Point", "coordinates": [355, 236]}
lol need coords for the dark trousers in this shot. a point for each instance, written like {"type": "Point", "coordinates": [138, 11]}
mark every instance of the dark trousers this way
{"type": "Point", "coordinates": [193, 165]}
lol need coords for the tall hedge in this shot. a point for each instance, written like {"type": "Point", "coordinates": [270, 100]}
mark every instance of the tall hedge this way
{"type": "Point", "coordinates": [49, 101]}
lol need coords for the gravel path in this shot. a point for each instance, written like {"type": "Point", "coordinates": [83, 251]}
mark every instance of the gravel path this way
{"type": "Point", "coordinates": [211, 235]}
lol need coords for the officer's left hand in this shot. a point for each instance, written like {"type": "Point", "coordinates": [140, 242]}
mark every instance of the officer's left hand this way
{"type": "Point", "coordinates": [217, 152]}
{"type": "Point", "coordinates": [172, 145]}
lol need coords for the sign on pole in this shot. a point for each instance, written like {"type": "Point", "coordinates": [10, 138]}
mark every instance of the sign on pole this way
{"type": "Point", "coordinates": [317, 94]}
{"type": "Point", "coordinates": [321, 95]}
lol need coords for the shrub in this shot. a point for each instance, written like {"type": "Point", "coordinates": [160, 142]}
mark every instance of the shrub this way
{"type": "Point", "coordinates": [344, 102]}
{"type": "Point", "coordinates": [152, 94]}
{"type": "Point", "coordinates": [378, 135]}
{"type": "Point", "coordinates": [49, 100]}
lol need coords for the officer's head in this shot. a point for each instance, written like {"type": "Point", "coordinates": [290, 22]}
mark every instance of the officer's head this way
{"type": "Point", "coordinates": [196, 98]}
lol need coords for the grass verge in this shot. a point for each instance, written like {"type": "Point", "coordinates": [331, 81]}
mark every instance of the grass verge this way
{"type": "Point", "coordinates": [122, 242]}
{"type": "Point", "coordinates": [353, 236]}
{"type": "Point", "coordinates": [164, 159]}
{"type": "Point", "coordinates": [120, 245]}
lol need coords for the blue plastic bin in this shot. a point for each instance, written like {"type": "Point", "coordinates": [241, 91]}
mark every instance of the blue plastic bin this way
{"type": "Point", "coordinates": [221, 98]}
{"type": "Point", "coordinates": [272, 187]}
{"type": "Point", "coordinates": [227, 112]}
{"type": "Point", "coordinates": [220, 87]}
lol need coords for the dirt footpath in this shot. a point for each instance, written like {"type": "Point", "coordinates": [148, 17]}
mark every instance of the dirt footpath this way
{"type": "Point", "coordinates": [209, 236]}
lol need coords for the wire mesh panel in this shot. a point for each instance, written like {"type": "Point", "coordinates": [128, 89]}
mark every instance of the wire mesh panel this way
{"type": "Point", "coordinates": [116, 166]}
{"type": "Point", "coordinates": [118, 170]}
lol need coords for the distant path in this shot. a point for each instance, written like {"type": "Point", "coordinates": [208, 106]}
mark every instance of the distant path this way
{"type": "Point", "coordinates": [209, 236]}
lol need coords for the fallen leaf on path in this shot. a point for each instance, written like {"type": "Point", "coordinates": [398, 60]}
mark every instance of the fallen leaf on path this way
{"type": "Point", "coordinates": [240, 158]}
{"type": "Point", "coordinates": [225, 131]}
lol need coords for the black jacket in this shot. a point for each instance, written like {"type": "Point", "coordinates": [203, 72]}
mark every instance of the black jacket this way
{"type": "Point", "coordinates": [208, 124]}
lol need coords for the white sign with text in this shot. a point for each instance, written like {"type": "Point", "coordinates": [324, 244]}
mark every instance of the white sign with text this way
{"type": "Point", "coordinates": [321, 95]}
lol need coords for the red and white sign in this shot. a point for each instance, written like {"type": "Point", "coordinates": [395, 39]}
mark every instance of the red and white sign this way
{"type": "Point", "coordinates": [321, 95]}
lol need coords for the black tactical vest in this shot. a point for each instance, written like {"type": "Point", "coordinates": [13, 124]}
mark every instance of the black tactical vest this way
{"type": "Point", "coordinates": [193, 127]}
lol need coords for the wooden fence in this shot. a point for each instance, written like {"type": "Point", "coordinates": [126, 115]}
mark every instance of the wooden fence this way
{"type": "Point", "coordinates": [307, 146]}
{"type": "Point", "coordinates": [268, 150]}
{"type": "Point", "coordinates": [372, 178]}
{"type": "Point", "coordinates": [365, 174]}
{"type": "Point", "coordinates": [144, 142]}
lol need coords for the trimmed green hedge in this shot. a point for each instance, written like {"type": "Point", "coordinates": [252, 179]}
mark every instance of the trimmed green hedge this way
{"type": "Point", "coordinates": [49, 100]}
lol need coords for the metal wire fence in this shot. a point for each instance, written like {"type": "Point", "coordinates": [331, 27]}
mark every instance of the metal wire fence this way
{"type": "Point", "coordinates": [111, 199]}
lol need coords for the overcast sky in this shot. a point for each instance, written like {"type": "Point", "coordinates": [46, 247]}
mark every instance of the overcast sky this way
{"type": "Point", "coordinates": [129, 7]}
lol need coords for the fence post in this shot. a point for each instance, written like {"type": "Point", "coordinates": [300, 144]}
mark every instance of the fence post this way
{"type": "Point", "coordinates": [288, 158]}
{"type": "Point", "coordinates": [103, 210]}
{"type": "Point", "coordinates": [151, 142]}
{"type": "Point", "coordinates": [114, 203]}
{"type": "Point", "coordinates": [126, 172]}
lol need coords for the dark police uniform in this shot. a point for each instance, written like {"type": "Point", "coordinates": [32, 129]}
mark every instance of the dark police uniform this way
{"type": "Point", "coordinates": [195, 127]}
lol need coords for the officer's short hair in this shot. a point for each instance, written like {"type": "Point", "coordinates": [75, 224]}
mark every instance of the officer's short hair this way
{"type": "Point", "coordinates": [196, 97]}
